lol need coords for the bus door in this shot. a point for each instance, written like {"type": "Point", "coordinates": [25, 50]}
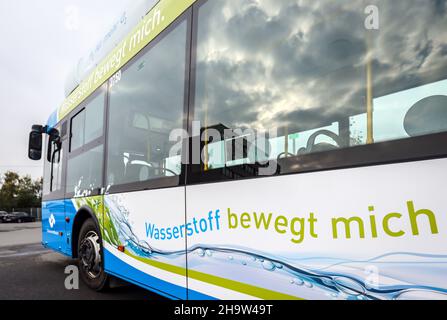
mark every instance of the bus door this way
{"type": "Point", "coordinates": [53, 206]}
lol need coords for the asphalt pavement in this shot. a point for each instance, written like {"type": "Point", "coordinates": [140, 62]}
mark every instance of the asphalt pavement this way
{"type": "Point", "coordinates": [14, 234]}
{"type": "Point", "coordinates": [28, 271]}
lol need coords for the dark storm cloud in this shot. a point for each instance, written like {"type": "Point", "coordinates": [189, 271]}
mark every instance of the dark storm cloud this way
{"type": "Point", "coordinates": [443, 50]}
{"type": "Point", "coordinates": [440, 7]}
{"type": "Point", "coordinates": [226, 93]}
{"type": "Point", "coordinates": [253, 30]}
{"type": "Point", "coordinates": [326, 46]}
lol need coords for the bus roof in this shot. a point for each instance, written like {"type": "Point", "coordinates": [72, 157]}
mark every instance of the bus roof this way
{"type": "Point", "coordinates": [156, 20]}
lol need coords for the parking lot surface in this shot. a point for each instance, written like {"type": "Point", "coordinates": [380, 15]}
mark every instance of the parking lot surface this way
{"type": "Point", "coordinates": [28, 271]}
{"type": "Point", "coordinates": [14, 234]}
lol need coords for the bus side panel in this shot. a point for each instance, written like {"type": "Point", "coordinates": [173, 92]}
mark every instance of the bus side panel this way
{"type": "Point", "coordinates": [154, 256]}
{"type": "Point", "coordinates": [94, 204]}
{"type": "Point", "coordinates": [54, 225]}
{"type": "Point", "coordinates": [365, 233]}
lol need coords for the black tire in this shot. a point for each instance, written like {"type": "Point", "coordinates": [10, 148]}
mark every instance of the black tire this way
{"type": "Point", "coordinates": [92, 273]}
{"type": "Point", "coordinates": [19, 221]}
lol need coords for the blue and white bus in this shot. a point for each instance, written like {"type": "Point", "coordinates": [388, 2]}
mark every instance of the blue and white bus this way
{"type": "Point", "coordinates": [258, 149]}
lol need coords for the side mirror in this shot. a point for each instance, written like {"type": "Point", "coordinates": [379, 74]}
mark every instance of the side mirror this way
{"type": "Point", "coordinates": [35, 145]}
{"type": "Point", "coordinates": [35, 142]}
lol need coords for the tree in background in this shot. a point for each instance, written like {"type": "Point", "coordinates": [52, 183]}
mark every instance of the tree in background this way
{"type": "Point", "coordinates": [19, 192]}
{"type": "Point", "coordinates": [9, 190]}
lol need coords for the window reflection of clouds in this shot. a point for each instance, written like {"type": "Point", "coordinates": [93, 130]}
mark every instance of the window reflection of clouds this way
{"type": "Point", "coordinates": [149, 82]}
{"type": "Point", "coordinates": [270, 63]}
{"type": "Point", "coordinates": [408, 49]}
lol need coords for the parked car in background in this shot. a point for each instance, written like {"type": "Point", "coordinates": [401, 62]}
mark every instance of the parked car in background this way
{"type": "Point", "coordinates": [2, 215]}
{"type": "Point", "coordinates": [18, 217]}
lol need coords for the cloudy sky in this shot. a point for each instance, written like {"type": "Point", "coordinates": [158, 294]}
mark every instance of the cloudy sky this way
{"type": "Point", "coordinates": [41, 42]}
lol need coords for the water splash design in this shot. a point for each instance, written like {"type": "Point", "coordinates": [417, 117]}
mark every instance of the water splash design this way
{"type": "Point", "coordinates": [403, 275]}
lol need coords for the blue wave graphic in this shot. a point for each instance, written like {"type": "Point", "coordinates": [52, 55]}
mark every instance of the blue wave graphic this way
{"type": "Point", "coordinates": [339, 280]}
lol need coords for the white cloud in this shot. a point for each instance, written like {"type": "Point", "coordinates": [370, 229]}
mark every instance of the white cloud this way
{"type": "Point", "coordinates": [37, 52]}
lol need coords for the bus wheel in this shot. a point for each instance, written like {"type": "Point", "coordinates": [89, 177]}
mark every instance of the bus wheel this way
{"type": "Point", "coordinates": [90, 260]}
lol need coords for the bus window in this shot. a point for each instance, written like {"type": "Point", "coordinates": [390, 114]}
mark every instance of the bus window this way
{"type": "Point", "coordinates": [259, 67]}
{"type": "Point", "coordinates": [145, 106]}
{"type": "Point", "coordinates": [94, 120]}
{"type": "Point", "coordinates": [408, 73]}
{"type": "Point", "coordinates": [57, 163]}
{"type": "Point", "coordinates": [85, 161]}
{"type": "Point", "coordinates": [88, 124]}
{"type": "Point", "coordinates": [85, 172]}
{"type": "Point", "coordinates": [303, 71]}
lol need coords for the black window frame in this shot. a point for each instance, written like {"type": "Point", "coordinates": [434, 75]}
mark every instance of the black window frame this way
{"type": "Point", "coordinates": [163, 182]}
{"type": "Point", "coordinates": [427, 147]}
{"type": "Point", "coordinates": [70, 137]}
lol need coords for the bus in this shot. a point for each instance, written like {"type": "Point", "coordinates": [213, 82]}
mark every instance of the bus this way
{"type": "Point", "coordinates": [258, 149]}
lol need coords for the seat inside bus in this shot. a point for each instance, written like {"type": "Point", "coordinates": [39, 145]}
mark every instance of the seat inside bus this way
{"type": "Point", "coordinates": [141, 149]}
{"type": "Point", "coordinates": [428, 115]}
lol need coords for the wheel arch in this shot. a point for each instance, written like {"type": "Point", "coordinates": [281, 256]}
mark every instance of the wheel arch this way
{"type": "Point", "coordinates": [83, 214]}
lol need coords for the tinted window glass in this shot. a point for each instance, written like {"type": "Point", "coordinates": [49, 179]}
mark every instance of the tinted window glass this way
{"type": "Point", "coordinates": [94, 119]}
{"type": "Point", "coordinates": [88, 125]}
{"type": "Point", "coordinates": [85, 172]}
{"type": "Point", "coordinates": [319, 74]}
{"type": "Point", "coordinates": [145, 106]}
{"type": "Point", "coordinates": [56, 182]}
